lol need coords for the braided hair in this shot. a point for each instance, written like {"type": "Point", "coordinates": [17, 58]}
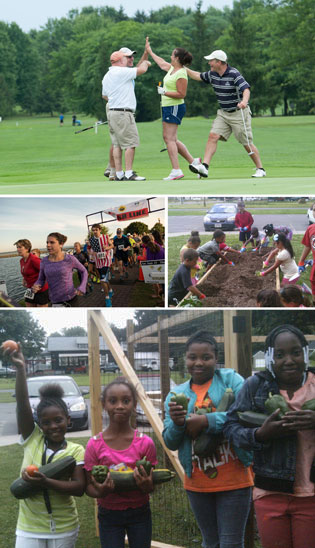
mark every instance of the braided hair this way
{"type": "Point", "coordinates": [202, 336]}
{"type": "Point", "coordinates": [270, 345]}
{"type": "Point", "coordinates": [51, 396]}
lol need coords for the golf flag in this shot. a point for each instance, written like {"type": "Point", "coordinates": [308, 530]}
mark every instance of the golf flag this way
{"type": "Point", "coordinates": [130, 211]}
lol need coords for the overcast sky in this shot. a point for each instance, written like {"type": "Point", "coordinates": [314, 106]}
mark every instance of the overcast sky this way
{"type": "Point", "coordinates": [32, 14]}
{"type": "Point", "coordinates": [54, 320]}
{"type": "Point", "coordinates": [35, 218]}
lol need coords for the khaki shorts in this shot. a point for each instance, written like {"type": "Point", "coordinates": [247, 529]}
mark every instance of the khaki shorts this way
{"type": "Point", "coordinates": [122, 128]}
{"type": "Point", "coordinates": [232, 122]}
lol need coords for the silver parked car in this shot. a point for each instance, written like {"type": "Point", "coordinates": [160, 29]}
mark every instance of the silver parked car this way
{"type": "Point", "coordinates": [221, 215]}
{"type": "Point", "coordinates": [73, 396]}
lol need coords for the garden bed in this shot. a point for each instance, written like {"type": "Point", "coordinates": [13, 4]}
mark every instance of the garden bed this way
{"type": "Point", "coordinates": [236, 286]}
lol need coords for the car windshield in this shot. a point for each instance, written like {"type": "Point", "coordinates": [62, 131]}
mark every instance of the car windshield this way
{"type": "Point", "coordinates": [153, 383]}
{"type": "Point", "coordinates": [222, 208]}
{"type": "Point", "coordinates": [68, 386]}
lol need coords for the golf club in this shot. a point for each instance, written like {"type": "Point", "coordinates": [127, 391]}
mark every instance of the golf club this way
{"type": "Point", "coordinates": [90, 127]}
{"type": "Point", "coordinates": [245, 129]}
{"type": "Point", "coordinates": [162, 149]}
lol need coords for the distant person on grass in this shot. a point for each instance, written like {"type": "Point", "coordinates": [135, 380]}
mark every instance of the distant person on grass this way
{"type": "Point", "coordinates": [181, 282]}
{"type": "Point", "coordinates": [48, 518]}
{"type": "Point", "coordinates": [234, 114]}
{"type": "Point", "coordinates": [61, 119]}
{"type": "Point", "coordinates": [118, 90]}
{"type": "Point", "coordinates": [173, 93]}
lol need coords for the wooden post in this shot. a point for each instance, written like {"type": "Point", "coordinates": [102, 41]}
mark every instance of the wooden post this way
{"type": "Point", "coordinates": [130, 344]}
{"type": "Point", "coordinates": [95, 387]}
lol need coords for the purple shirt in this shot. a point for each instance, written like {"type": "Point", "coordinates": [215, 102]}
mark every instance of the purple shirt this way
{"type": "Point", "coordinates": [59, 276]}
{"type": "Point", "coordinates": [155, 256]}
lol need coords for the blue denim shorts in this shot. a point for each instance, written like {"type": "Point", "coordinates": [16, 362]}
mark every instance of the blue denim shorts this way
{"type": "Point", "coordinates": [174, 114]}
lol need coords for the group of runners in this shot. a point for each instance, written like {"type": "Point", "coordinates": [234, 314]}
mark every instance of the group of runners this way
{"type": "Point", "coordinates": [233, 116]}
{"type": "Point", "coordinates": [101, 259]}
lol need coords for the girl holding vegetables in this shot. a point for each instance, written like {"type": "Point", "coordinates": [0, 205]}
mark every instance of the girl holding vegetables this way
{"type": "Point", "coordinates": [119, 446]}
{"type": "Point", "coordinates": [218, 484]}
{"type": "Point", "coordinates": [49, 518]}
{"type": "Point", "coordinates": [284, 445]}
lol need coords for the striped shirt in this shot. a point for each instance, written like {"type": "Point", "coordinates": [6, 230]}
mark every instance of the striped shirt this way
{"type": "Point", "coordinates": [225, 86]}
{"type": "Point", "coordinates": [103, 255]}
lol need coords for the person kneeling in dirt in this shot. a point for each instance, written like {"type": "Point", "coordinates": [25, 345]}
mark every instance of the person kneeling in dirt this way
{"type": "Point", "coordinates": [181, 282]}
{"type": "Point", "coordinates": [257, 239]}
{"type": "Point", "coordinates": [284, 258]}
{"type": "Point", "coordinates": [212, 251]}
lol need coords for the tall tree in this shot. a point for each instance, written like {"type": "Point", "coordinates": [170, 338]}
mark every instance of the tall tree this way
{"type": "Point", "coordinates": [75, 331]}
{"type": "Point", "coordinates": [21, 327]}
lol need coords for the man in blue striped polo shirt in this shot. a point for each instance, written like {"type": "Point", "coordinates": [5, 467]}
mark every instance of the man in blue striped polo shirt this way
{"type": "Point", "coordinates": [233, 116]}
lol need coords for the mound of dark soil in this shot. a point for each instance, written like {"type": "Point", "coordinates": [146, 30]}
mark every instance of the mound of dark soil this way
{"type": "Point", "coordinates": [237, 286]}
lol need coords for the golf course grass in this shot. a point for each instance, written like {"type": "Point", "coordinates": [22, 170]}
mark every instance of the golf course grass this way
{"type": "Point", "coordinates": [40, 157]}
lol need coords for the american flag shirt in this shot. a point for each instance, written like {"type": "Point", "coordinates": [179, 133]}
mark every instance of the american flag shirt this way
{"type": "Point", "coordinates": [103, 257]}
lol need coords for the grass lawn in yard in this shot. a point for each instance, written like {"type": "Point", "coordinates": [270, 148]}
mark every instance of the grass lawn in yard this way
{"type": "Point", "coordinates": [40, 157]}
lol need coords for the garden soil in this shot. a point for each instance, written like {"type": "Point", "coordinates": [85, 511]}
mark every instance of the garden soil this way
{"type": "Point", "coordinates": [237, 286]}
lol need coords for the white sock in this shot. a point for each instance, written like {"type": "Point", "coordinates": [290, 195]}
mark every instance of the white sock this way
{"type": "Point", "coordinates": [128, 173]}
{"type": "Point", "coordinates": [120, 174]}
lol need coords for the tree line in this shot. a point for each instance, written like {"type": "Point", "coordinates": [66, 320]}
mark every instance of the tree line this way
{"type": "Point", "coordinates": [59, 68]}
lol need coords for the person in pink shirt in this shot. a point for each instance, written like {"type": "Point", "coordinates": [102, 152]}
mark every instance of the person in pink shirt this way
{"type": "Point", "coordinates": [243, 221]}
{"type": "Point", "coordinates": [119, 446]}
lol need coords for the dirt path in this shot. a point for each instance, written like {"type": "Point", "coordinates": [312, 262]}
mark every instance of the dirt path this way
{"type": "Point", "coordinates": [237, 286]}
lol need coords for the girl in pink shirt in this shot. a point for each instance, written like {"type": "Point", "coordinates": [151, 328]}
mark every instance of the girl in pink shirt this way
{"type": "Point", "coordinates": [119, 445]}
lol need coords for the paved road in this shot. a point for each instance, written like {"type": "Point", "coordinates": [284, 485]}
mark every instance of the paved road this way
{"type": "Point", "coordinates": [8, 429]}
{"type": "Point", "coordinates": [183, 224]}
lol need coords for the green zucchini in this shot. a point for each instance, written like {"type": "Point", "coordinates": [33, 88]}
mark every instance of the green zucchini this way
{"type": "Point", "coordinates": [251, 419]}
{"type": "Point", "coordinates": [206, 444]}
{"type": "Point", "coordinates": [227, 399]}
{"type": "Point", "coordinates": [125, 481]}
{"type": "Point", "coordinates": [59, 469]}
{"type": "Point", "coordinates": [309, 405]}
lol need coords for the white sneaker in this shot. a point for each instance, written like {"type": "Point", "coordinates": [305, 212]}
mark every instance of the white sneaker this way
{"type": "Point", "coordinates": [197, 167]}
{"type": "Point", "coordinates": [174, 175]}
{"type": "Point", "coordinates": [260, 172]}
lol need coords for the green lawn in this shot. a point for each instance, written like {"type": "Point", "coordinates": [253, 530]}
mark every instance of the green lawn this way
{"type": "Point", "coordinates": [175, 243]}
{"type": "Point", "coordinates": [40, 157]}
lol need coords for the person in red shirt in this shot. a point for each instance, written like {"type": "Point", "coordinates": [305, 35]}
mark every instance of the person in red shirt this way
{"type": "Point", "coordinates": [309, 245]}
{"type": "Point", "coordinates": [243, 221]}
{"type": "Point", "coordinates": [30, 265]}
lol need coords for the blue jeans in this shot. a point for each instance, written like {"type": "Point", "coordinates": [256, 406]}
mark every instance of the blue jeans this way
{"type": "Point", "coordinates": [114, 524]}
{"type": "Point", "coordinates": [221, 516]}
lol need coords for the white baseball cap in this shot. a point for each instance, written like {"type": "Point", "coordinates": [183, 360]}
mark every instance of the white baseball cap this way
{"type": "Point", "coordinates": [217, 54]}
{"type": "Point", "coordinates": [127, 52]}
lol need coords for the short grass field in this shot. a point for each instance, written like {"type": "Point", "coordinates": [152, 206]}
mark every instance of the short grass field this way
{"type": "Point", "coordinates": [40, 157]}
{"type": "Point", "coordinates": [175, 244]}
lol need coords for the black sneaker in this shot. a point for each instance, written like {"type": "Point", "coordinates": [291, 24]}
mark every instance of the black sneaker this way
{"type": "Point", "coordinates": [134, 177]}
{"type": "Point", "coordinates": [107, 172]}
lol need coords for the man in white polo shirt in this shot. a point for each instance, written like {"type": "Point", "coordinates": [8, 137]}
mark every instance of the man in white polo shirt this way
{"type": "Point", "coordinates": [118, 90]}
